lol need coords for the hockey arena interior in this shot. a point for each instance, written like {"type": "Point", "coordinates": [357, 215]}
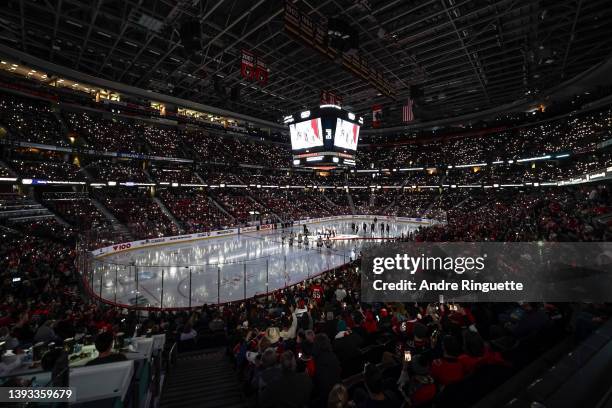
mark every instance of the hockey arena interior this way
{"type": "Point", "coordinates": [187, 188]}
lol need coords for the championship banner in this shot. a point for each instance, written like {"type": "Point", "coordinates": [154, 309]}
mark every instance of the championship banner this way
{"type": "Point", "coordinates": [261, 72]}
{"type": "Point", "coordinates": [376, 115]}
{"type": "Point", "coordinates": [247, 65]}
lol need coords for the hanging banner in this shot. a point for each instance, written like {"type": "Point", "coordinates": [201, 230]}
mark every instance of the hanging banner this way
{"type": "Point", "coordinates": [376, 115]}
{"type": "Point", "coordinates": [247, 65]}
{"type": "Point", "coordinates": [261, 72]}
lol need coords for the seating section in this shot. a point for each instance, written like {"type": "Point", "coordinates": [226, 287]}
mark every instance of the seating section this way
{"type": "Point", "coordinates": [31, 120]}
{"type": "Point", "coordinates": [137, 211]}
{"type": "Point", "coordinates": [195, 211]}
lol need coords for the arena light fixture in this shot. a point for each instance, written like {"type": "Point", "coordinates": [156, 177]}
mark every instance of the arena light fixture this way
{"type": "Point", "coordinates": [351, 115]}
{"type": "Point", "coordinates": [546, 157]}
{"type": "Point", "coordinates": [305, 114]}
{"type": "Point", "coordinates": [463, 166]}
{"type": "Point", "coordinates": [8, 179]}
{"type": "Point", "coordinates": [510, 161]}
{"type": "Point", "coordinates": [498, 162]}
{"type": "Point", "coordinates": [112, 183]}
{"type": "Point", "coordinates": [328, 105]}
{"type": "Point", "coordinates": [288, 119]}
{"type": "Point", "coordinates": [314, 158]}
{"type": "Point", "coordinates": [26, 181]}
{"type": "Point", "coordinates": [561, 156]}
{"type": "Point", "coordinates": [335, 159]}
{"type": "Point", "coordinates": [595, 176]}
{"type": "Point", "coordinates": [412, 169]}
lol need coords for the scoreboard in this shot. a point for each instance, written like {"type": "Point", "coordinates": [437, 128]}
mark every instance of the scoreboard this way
{"type": "Point", "coordinates": [324, 137]}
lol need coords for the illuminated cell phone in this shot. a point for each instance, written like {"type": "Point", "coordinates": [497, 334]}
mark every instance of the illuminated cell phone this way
{"type": "Point", "coordinates": [300, 355]}
{"type": "Point", "coordinates": [419, 316]}
{"type": "Point", "coordinates": [407, 356]}
{"type": "Point", "coordinates": [403, 326]}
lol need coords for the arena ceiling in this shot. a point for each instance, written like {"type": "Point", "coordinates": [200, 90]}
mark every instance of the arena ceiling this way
{"type": "Point", "coordinates": [468, 55]}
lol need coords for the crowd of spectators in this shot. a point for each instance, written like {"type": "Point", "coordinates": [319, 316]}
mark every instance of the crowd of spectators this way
{"type": "Point", "coordinates": [314, 343]}
{"type": "Point", "coordinates": [77, 209]}
{"type": "Point", "coordinates": [119, 171]}
{"type": "Point", "coordinates": [318, 334]}
{"type": "Point", "coordinates": [45, 166]}
{"type": "Point", "coordinates": [241, 206]}
{"type": "Point", "coordinates": [113, 134]}
{"type": "Point", "coordinates": [195, 211]}
{"type": "Point", "coordinates": [173, 174]}
{"type": "Point", "coordinates": [135, 209]}
{"type": "Point", "coordinates": [31, 120]}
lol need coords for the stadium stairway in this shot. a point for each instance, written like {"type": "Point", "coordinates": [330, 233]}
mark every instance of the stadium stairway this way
{"type": "Point", "coordinates": [168, 214]}
{"type": "Point", "coordinates": [258, 201]}
{"type": "Point", "coordinates": [203, 378]}
{"type": "Point", "coordinates": [350, 201]}
{"type": "Point", "coordinates": [220, 207]}
{"type": "Point", "coordinates": [117, 226]}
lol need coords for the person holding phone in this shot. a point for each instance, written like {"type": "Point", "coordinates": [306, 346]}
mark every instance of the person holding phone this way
{"type": "Point", "coordinates": [416, 384]}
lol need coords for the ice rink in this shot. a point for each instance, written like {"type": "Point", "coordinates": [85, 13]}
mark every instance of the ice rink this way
{"type": "Point", "coordinates": [224, 269]}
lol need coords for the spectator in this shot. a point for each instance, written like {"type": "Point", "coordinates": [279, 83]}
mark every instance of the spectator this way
{"type": "Point", "coordinates": [45, 333]}
{"type": "Point", "coordinates": [419, 389]}
{"type": "Point", "coordinates": [188, 333]}
{"type": "Point", "coordinates": [338, 397]}
{"type": "Point", "coordinates": [340, 293]}
{"type": "Point", "coordinates": [268, 373]}
{"type": "Point", "coordinates": [291, 389]}
{"type": "Point", "coordinates": [376, 396]}
{"type": "Point", "coordinates": [448, 370]}
{"type": "Point", "coordinates": [104, 345]}
{"type": "Point", "coordinates": [327, 368]}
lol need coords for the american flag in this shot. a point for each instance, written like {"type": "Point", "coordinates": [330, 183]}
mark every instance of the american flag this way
{"type": "Point", "coordinates": [407, 115]}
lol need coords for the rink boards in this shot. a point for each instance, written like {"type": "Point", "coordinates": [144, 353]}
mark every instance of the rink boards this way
{"type": "Point", "coordinates": [126, 246]}
{"type": "Point", "coordinates": [231, 265]}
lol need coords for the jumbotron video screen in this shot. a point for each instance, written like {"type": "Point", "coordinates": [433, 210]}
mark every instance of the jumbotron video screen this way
{"type": "Point", "coordinates": [324, 137]}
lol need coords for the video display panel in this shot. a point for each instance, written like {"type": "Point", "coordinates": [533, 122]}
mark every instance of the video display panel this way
{"type": "Point", "coordinates": [346, 135]}
{"type": "Point", "coordinates": [307, 134]}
